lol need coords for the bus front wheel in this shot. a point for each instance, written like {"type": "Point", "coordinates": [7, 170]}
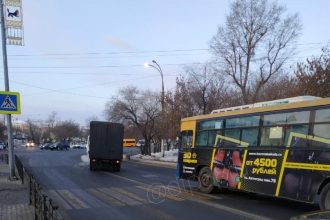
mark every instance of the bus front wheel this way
{"type": "Point", "coordinates": [325, 198]}
{"type": "Point", "coordinates": [205, 180]}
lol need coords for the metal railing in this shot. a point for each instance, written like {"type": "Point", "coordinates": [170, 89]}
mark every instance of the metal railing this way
{"type": "Point", "coordinates": [44, 207]}
{"type": "Point", "coordinates": [4, 158]}
{"type": "Point", "coordinates": [20, 168]}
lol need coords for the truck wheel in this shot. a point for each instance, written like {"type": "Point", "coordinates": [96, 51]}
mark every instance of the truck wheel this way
{"type": "Point", "coordinates": [205, 180]}
{"type": "Point", "coordinates": [325, 198]}
{"type": "Point", "coordinates": [117, 168]}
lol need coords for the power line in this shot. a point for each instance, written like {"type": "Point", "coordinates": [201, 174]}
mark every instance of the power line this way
{"type": "Point", "coordinates": [111, 57]}
{"type": "Point", "coordinates": [96, 66]}
{"type": "Point", "coordinates": [107, 53]}
{"type": "Point", "coordinates": [127, 66]}
{"type": "Point", "coordinates": [136, 52]}
{"type": "Point", "coordinates": [65, 91]}
{"type": "Point", "coordinates": [80, 73]}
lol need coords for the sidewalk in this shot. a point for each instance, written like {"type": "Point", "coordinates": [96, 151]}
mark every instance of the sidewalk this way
{"type": "Point", "coordinates": [14, 198]}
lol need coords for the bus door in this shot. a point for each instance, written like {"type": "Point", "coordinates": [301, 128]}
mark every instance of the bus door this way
{"type": "Point", "coordinates": [185, 148]}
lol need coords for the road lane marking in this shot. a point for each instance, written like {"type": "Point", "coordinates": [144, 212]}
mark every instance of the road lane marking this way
{"type": "Point", "coordinates": [104, 197]}
{"type": "Point", "coordinates": [122, 198]}
{"type": "Point", "coordinates": [58, 199]}
{"type": "Point", "coordinates": [127, 179]}
{"type": "Point", "coordinates": [72, 199]}
{"type": "Point", "coordinates": [150, 176]}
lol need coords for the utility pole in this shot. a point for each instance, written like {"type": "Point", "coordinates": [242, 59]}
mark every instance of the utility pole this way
{"type": "Point", "coordinates": [6, 79]}
{"type": "Point", "coordinates": [156, 66]}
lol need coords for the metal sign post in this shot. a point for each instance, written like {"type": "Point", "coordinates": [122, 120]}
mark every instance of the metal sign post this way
{"type": "Point", "coordinates": [8, 116]}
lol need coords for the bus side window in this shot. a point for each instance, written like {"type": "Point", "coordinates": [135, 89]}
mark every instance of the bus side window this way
{"type": "Point", "coordinates": [250, 135]}
{"type": "Point", "coordinates": [322, 130]}
{"type": "Point", "coordinates": [202, 137]}
{"type": "Point", "coordinates": [272, 136]}
{"type": "Point", "coordinates": [322, 123]}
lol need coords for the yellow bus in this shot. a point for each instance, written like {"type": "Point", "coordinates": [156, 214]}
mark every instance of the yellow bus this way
{"type": "Point", "coordinates": [129, 142]}
{"type": "Point", "coordinates": [279, 148]}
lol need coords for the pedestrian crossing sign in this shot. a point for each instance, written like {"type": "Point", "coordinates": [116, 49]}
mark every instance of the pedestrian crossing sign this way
{"type": "Point", "coordinates": [10, 103]}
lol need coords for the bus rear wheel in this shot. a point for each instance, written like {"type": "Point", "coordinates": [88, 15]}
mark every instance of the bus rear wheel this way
{"type": "Point", "coordinates": [325, 198]}
{"type": "Point", "coordinates": [205, 180]}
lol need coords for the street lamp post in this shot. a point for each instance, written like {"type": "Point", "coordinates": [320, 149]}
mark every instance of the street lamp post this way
{"type": "Point", "coordinates": [156, 66]}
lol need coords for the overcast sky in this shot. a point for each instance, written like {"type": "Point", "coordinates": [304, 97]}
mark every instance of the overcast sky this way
{"type": "Point", "coordinates": [78, 54]}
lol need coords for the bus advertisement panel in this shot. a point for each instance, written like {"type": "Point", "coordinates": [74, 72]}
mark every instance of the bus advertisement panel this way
{"type": "Point", "coordinates": [281, 151]}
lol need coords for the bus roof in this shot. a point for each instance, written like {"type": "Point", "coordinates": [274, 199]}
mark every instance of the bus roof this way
{"type": "Point", "coordinates": [242, 111]}
{"type": "Point", "coordinates": [268, 103]}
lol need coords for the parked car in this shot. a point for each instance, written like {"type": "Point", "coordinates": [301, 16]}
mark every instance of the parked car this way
{"type": "Point", "coordinates": [53, 146]}
{"type": "Point", "coordinates": [140, 143]}
{"type": "Point", "coordinates": [60, 145]}
{"type": "Point", "coordinates": [45, 146]}
{"type": "Point", "coordinates": [78, 145]}
{"type": "Point", "coordinates": [2, 146]}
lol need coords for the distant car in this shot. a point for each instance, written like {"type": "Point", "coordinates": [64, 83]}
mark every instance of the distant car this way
{"type": "Point", "coordinates": [61, 145]}
{"type": "Point", "coordinates": [78, 145]}
{"type": "Point", "coordinates": [53, 146]}
{"type": "Point", "coordinates": [45, 146]}
{"type": "Point", "coordinates": [83, 145]}
{"type": "Point", "coordinates": [30, 144]}
{"type": "Point", "coordinates": [2, 146]}
{"type": "Point", "coordinates": [140, 143]}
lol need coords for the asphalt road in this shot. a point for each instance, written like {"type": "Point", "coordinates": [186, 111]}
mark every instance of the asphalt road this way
{"type": "Point", "coordinates": [141, 191]}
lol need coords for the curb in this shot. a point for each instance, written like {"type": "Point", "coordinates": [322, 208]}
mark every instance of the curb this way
{"type": "Point", "coordinates": [154, 162]}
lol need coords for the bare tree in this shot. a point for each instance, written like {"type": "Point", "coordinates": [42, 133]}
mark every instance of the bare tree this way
{"type": "Point", "coordinates": [141, 109]}
{"type": "Point", "coordinates": [313, 77]}
{"type": "Point", "coordinates": [283, 86]}
{"type": "Point", "coordinates": [34, 131]}
{"type": "Point", "coordinates": [201, 91]}
{"type": "Point", "coordinates": [201, 81]}
{"type": "Point", "coordinates": [67, 129]}
{"type": "Point", "coordinates": [51, 122]}
{"type": "Point", "coordinates": [254, 44]}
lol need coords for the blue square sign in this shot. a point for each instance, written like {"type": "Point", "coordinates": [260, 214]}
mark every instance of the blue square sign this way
{"type": "Point", "coordinates": [10, 103]}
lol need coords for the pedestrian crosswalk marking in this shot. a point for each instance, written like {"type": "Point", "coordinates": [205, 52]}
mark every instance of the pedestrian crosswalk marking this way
{"type": "Point", "coordinates": [104, 197]}
{"type": "Point", "coordinates": [8, 103]}
{"type": "Point", "coordinates": [72, 199]}
{"type": "Point", "coordinates": [59, 200]}
{"type": "Point", "coordinates": [116, 196]}
{"type": "Point", "coordinates": [132, 195]}
{"type": "Point", "coordinates": [87, 198]}
{"type": "Point", "coordinates": [122, 198]}
{"type": "Point", "coordinates": [161, 193]}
